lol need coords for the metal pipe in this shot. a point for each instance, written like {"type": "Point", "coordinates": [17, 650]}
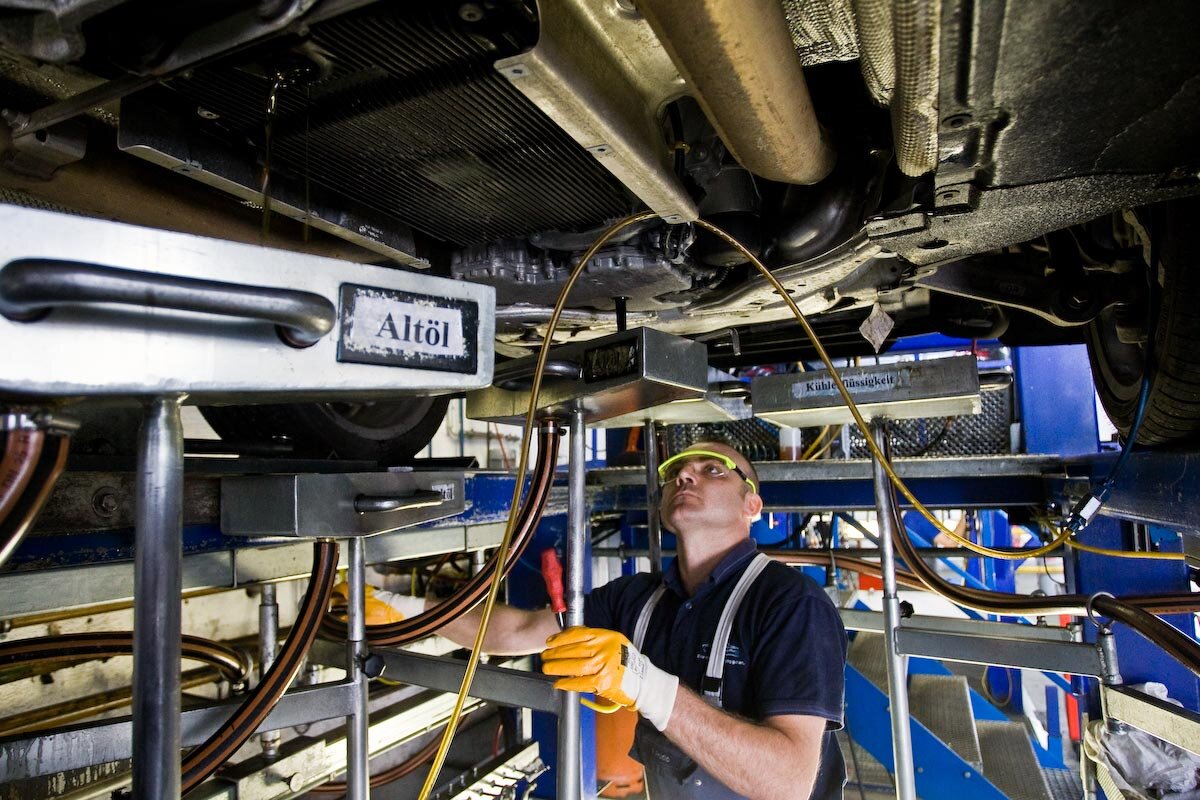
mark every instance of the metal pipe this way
{"type": "Point", "coordinates": [853, 552]}
{"type": "Point", "coordinates": [653, 497]}
{"type": "Point", "coordinates": [268, 640]}
{"type": "Point", "coordinates": [728, 51]}
{"type": "Point", "coordinates": [157, 609]}
{"type": "Point", "coordinates": [897, 665]}
{"type": "Point", "coordinates": [358, 771]}
{"type": "Point", "coordinates": [570, 756]}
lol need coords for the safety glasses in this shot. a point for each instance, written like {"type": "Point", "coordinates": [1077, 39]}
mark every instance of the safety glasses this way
{"type": "Point", "coordinates": [669, 470]}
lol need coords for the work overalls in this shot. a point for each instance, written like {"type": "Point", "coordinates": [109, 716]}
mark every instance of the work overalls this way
{"type": "Point", "coordinates": [670, 773]}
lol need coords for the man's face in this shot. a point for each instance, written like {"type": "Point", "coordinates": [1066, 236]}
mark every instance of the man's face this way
{"type": "Point", "coordinates": [703, 494]}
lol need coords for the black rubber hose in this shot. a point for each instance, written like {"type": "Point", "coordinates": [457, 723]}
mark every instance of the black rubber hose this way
{"type": "Point", "coordinates": [472, 592]}
{"type": "Point", "coordinates": [1178, 603]}
{"type": "Point", "coordinates": [1175, 643]}
{"type": "Point", "coordinates": [204, 760]}
{"type": "Point", "coordinates": [55, 652]}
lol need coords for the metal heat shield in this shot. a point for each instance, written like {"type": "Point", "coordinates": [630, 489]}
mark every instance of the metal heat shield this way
{"type": "Point", "coordinates": [609, 379]}
{"type": "Point", "coordinates": [726, 400]}
{"type": "Point", "coordinates": [941, 387]}
{"type": "Point", "coordinates": [340, 505]}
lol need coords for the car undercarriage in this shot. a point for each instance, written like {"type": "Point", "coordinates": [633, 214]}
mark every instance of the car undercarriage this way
{"type": "Point", "coordinates": [986, 170]}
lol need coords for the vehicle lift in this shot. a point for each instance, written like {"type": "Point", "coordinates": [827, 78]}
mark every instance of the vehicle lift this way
{"type": "Point", "coordinates": [302, 344]}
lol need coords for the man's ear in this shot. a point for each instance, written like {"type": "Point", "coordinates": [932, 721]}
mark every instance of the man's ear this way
{"type": "Point", "coordinates": [752, 505]}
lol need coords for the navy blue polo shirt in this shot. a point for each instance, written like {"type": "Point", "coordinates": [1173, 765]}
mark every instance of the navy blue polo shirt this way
{"type": "Point", "coordinates": [786, 651]}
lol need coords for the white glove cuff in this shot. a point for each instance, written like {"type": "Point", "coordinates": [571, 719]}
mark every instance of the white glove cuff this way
{"type": "Point", "coordinates": [406, 604]}
{"type": "Point", "coordinates": [656, 698]}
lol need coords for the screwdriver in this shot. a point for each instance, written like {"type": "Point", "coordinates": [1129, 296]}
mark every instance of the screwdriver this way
{"type": "Point", "coordinates": [552, 574]}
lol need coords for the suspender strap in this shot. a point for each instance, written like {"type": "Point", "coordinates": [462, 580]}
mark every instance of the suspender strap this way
{"type": "Point", "coordinates": [643, 620]}
{"type": "Point", "coordinates": [716, 654]}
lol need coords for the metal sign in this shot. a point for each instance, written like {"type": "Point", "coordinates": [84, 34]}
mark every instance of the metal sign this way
{"type": "Point", "coordinates": [90, 307]}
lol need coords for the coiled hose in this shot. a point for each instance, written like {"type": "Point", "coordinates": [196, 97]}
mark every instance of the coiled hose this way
{"type": "Point", "coordinates": [204, 760]}
{"type": "Point", "coordinates": [473, 590]}
{"type": "Point", "coordinates": [32, 462]}
{"type": "Point", "coordinates": [21, 451]}
{"type": "Point", "coordinates": [1178, 645]}
{"type": "Point", "coordinates": [54, 652]}
{"type": "Point", "coordinates": [1167, 603]}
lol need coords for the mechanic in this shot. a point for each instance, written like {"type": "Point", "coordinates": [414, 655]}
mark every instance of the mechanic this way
{"type": "Point", "coordinates": [758, 723]}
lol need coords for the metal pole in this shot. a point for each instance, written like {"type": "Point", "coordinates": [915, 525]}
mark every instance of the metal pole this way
{"type": "Point", "coordinates": [897, 665]}
{"type": "Point", "coordinates": [570, 754]}
{"type": "Point", "coordinates": [358, 776]}
{"type": "Point", "coordinates": [653, 497]}
{"type": "Point", "coordinates": [268, 639]}
{"type": "Point", "coordinates": [157, 610]}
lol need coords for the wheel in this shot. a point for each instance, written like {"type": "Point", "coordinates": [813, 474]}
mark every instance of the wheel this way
{"type": "Point", "coordinates": [389, 431]}
{"type": "Point", "coordinates": [1173, 407]}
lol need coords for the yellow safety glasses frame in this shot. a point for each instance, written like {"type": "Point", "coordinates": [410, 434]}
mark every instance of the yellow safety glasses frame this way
{"type": "Point", "coordinates": [666, 474]}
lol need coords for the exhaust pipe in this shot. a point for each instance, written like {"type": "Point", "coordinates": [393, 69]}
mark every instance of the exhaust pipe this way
{"type": "Point", "coordinates": [729, 52]}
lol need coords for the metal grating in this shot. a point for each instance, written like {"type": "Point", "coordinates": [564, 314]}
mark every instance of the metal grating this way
{"type": "Point", "coordinates": [414, 122]}
{"type": "Point", "coordinates": [984, 434]}
{"type": "Point", "coordinates": [15, 197]}
{"type": "Point", "coordinates": [868, 655]}
{"type": "Point", "coordinates": [1064, 784]}
{"type": "Point", "coordinates": [942, 703]}
{"type": "Point", "coordinates": [862, 768]}
{"type": "Point", "coordinates": [757, 439]}
{"type": "Point", "coordinates": [1009, 761]}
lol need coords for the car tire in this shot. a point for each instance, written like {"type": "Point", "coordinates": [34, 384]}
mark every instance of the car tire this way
{"type": "Point", "coordinates": [386, 432]}
{"type": "Point", "coordinates": [1173, 406]}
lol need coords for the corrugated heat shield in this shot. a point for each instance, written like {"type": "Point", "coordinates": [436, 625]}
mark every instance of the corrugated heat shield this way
{"type": "Point", "coordinates": [412, 121]}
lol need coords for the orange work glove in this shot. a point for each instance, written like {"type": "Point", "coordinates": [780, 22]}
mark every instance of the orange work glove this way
{"type": "Point", "coordinates": [381, 607]}
{"type": "Point", "coordinates": [605, 662]}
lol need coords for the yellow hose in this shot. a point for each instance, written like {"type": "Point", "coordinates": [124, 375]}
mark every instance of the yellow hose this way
{"type": "Point", "coordinates": [543, 355]}
{"type": "Point", "coordinates": [1064, 534]}
{"type": "Point", "coordinates": [439, 758]}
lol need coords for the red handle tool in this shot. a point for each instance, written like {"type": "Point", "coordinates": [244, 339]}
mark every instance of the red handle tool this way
{"type": "Point", "coordinates": [552, 574]}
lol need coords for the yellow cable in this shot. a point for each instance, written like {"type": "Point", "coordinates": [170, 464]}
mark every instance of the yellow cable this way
{"type": "Point", "coordinates": [825, 448]}
{"type": "Point", "coordinates": [439, 758]}
{"type": "Point", "coordinates": [600, 708]}
{"type": "Point", "coordinates": [811, 449]}
{"type": "Point", "coordinates": [535, 390]}
{"type": "Point", "coordinates": [1104, 551]}
{"type": "Point", "coordinates": [1064, 534]}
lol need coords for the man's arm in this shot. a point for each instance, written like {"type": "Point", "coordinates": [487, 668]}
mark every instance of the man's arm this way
{"type": "Point", "coordinates": [511, 631]}
{"type": "Point", "coordinates": [778, 758]}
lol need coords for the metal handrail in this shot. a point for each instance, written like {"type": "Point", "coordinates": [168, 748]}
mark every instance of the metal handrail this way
{"type": "Point", "coordinates": [31, 288]}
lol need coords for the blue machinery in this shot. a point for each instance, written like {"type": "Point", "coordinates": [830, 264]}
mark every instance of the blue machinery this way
{"type": "Point", "coordinates": [1145, 510]}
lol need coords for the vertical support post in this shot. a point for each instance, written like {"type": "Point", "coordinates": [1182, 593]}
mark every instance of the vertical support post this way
{"type": "Point", "coordinates": [358, 775]}
{"type": "Point", "coordinates": [897, 667]}
{"type": "Point", "coordinates": [653, 497]}
{"type": "Point", "coordinates": [157, 609]}
{"type": "Point", "coordinates": [570, 751]}
{"type": "Point", "coordinates": [268, 639]}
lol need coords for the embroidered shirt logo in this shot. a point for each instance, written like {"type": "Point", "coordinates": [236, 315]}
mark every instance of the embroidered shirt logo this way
{"type": "Point", "coordinates": [733, 655]}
